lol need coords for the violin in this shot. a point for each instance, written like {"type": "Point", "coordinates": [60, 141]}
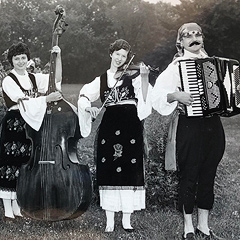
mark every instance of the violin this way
{"type": "Point", "coordinates": [133, 70]}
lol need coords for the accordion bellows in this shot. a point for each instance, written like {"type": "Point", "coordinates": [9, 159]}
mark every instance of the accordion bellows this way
{"type": "Point", "coordinates": [214, 84]}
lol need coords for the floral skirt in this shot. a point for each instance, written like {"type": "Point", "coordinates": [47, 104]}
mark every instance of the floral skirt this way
{"type": "Point", "coordinates": [120, 150]}
{"type": "Point", "coordinates": [15, 149]}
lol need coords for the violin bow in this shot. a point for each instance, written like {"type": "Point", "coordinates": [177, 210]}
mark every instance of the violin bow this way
{"type": "Point", "coordinates": [113, 88]}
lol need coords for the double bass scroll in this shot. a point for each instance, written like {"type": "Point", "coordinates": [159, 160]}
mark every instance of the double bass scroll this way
{"type": "Point", "coordinates": [53, 185]}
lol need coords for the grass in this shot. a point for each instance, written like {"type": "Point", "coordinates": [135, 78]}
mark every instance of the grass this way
{"type": "Point", "coordinates": [160, 220]}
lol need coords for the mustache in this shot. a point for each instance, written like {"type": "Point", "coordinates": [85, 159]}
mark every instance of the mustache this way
{"type": "Point", "coordinates": [194, 43]}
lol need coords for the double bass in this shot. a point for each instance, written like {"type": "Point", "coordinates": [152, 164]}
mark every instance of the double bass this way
{"type": "Point", "coordinates": [53, 185]}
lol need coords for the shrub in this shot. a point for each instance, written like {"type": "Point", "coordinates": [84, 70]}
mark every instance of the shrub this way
{"type": "Point", "coordinates": [162, 185]}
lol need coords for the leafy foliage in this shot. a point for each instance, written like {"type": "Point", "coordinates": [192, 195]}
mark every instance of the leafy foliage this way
{"type": "Point", "coordinates": [150, 28]}
{"type": "Point", "coordinates": [162, 185]}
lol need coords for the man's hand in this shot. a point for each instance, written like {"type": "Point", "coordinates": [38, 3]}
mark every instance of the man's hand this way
{"type": "Point", "coordinates": [183, 97]}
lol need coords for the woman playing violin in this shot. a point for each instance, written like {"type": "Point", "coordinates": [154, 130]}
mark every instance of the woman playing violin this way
{"type": "Point", "coordinates": [119, 142]}
{"type": "Point", "coordinates": [24, 97]}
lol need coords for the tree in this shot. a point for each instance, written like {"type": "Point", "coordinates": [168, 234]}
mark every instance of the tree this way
{"type": "Point", "coordinates": [151, 29]}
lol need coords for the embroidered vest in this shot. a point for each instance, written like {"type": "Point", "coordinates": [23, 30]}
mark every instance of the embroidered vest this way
{"type": "Point", "coordinates": [8, 101]}
{"type": "Point", "coordinates": [123, 92]}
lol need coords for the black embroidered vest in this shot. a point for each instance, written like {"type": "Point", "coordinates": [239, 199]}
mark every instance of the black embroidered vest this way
{"type": "Point", "coordinates": [123, 92]}
{"type": "Point", "coordinates": [8, 101]}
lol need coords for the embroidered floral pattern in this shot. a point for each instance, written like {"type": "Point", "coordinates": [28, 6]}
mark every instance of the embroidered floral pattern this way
{"type": "Point", "coordinates": [103, 141]}
{"type": "Point", "coordinates": [31, 93]}
{"type": "Point", "coordinates": [9, 172]}
{"type": "Point", "coordinates": [119, 94]}
{"type": "Point", "coordinates": [123, 93]}
{"type": "Point", "coordinates": [119, 169]}
{"type": "Point", "coordinates": [117, 132]}
{"type": "Point", "coordinates": [17, 149]}
{"type": "Point", "coordinates": [118, 151]}
{"type": "Point", "coordinates": [110, 96]}
{"type": "Point", "coordinates": [103, 160]}
{"type": "Point", "coordinates": [134, 160]}
{"type": "Point", "coordinates": [15, 124]}
{"type": "Point", "coordinates": [132, 141]}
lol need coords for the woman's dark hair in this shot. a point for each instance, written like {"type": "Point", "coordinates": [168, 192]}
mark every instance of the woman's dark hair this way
{"type": "Point", "coordinates": [18, 49]}
{"type": "Point", "coordinates": [121, 44]}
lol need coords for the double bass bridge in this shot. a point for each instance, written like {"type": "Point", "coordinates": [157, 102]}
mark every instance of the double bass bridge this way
{"type": "Point", "coordinates": [46, 162]}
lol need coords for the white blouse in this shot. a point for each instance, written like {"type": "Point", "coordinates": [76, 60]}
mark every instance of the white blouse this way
{"type": "Point", "coordinates": [35, 108]}
{"type": "Point", "coordinates": [168, 82]}
{"type": "Point", "coordinates": [92, 91]}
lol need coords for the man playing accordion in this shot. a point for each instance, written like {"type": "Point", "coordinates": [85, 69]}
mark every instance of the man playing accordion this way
{"type": "Point", "coordinates": [200, 141]}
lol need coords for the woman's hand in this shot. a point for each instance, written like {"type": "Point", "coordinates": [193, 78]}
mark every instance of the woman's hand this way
{"type": "Point", "coordinates": [54, 96]}
{"type": "Point", "coordinates": [58, 70]}
{"type": "Point", "coordinates": [144, 70]}
{"type": "Point", "coordinates": [183, 97]}
{"type": "Point", "coordinates": [94, 111]}
{"type": "Point", "coordinates": [56, 49]}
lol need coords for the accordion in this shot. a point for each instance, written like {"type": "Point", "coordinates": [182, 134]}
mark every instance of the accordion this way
{"type": "Point", "coordinates": [214, 85]}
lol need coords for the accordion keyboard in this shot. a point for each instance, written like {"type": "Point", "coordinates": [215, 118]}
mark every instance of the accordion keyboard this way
{"type": "Point", "coordinates": [214, 84]}
{"type": "Point", "coordinates": [192, 86]}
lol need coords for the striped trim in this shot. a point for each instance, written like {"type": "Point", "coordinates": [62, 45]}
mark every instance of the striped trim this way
{"type": "Point", "coordinates": [121, 188]}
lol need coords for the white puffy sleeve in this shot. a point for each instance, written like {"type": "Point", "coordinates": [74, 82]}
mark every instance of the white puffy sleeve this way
{"type": "Point", "coordinates": [32, 109]}
{"type": "Point", "coordinates": [167, 82]}
{"type": "Point", "coordinates": [144, 108]}
{"type": "Point", "coordinates": [89, 93]}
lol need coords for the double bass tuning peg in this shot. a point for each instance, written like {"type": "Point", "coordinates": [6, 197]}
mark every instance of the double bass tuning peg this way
{"type": "Point", "coordinates": [59, 10]}
{"type": "Point", "coordinates": [60, 25]}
